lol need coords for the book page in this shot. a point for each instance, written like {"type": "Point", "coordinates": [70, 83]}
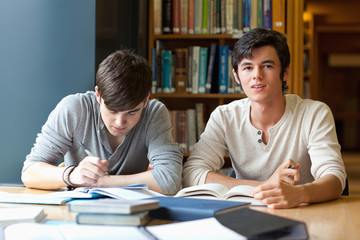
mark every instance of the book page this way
{"type": "Point", "coordinates": [208, 190]}
{"type": "Point", "coordinates": [242, 193]}
{"type": "Point", "coordinates": [207, 229]}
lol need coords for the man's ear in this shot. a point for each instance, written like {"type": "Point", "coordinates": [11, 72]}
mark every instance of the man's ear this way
{"type": "Point", "coordinates": [97, 94]}
{"type": "Point", "coordinates": [236, 77]}
{"type": "Point", "coordinates": [146, 100]}
{"type": "Point", "coordinates": [286, 74]}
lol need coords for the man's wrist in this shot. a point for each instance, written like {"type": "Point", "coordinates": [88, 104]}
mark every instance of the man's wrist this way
{"type": "Point", "coordinates": [66, 176]}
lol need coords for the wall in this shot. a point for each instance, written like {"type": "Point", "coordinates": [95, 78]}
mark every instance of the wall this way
{"type": "Point", "coordinates": [47, 50]}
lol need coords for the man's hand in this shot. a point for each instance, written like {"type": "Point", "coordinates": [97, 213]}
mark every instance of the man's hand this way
{"type": "Point", "coordinates": [89, 171]}
{"type": "Point", "coordinates": [279, 190]}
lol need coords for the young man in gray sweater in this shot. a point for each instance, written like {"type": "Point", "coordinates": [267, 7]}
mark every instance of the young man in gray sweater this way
{"type": "Point", "coordinates": [108, 137]}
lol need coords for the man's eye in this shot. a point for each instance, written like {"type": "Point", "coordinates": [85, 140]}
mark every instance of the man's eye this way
{"type": "Point", "coordinates": [131, 113]}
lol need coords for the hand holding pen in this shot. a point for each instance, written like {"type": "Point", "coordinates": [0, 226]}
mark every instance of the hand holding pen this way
{"type": "Point", "coordinates": [90, 171]}
{"type": "Point", "coordinates": [90, 154]}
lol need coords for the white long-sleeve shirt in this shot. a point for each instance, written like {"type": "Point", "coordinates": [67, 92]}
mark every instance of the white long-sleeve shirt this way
{"type": "Point", "coordinates": [305, 133]}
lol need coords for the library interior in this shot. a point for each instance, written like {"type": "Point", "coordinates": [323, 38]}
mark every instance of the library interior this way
{"type": "Point", "coordinates": [192, 75]}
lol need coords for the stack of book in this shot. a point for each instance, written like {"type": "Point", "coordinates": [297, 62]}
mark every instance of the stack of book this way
{"type": "Point", "coordinates": [108, 211]}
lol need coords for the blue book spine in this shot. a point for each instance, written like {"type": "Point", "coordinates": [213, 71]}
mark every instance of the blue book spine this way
{"type": "Point", "coordinates": [267, 17]}
{"type": "Point", "coordinates": [210, 69]}
{"type": "Point", "coordinates": [246, 15]}
{"type": "Point", "coordinates": [166, 71]}
{"type": "Point", "coordinates": [153, 68]}
{"type": "Point", "coordinates": [223, 69]}
{"type": "Point", "coordinates": [203, 69]}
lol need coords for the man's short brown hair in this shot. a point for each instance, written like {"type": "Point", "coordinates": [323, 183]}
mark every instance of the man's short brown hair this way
{"type": "Point", "coordinates": [124, 80]}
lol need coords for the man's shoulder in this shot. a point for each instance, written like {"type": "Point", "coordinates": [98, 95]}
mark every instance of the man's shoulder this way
{"type": "Point", "coordinates": [236, 105]}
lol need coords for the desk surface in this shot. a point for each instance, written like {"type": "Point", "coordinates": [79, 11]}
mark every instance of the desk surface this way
{"type": "Point", "coordinates": [339, 219]}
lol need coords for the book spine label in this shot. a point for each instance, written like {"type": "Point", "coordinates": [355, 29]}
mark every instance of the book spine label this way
{"type": "Point", "coordinates": [191, 17]}
{"type": "Point", "coordinates": [166, 71]}
{"type": "Point", "coordinates": [167, 16]}
{"type": "Point", "coordinates": [246, 15]}
{"type": "Point", "coordinates": [205, 11]}
{"type": "Point", "coordinates": [176, 16]}
{"type": "Point", "coordinates": [203, 69]}
{"type": "Point", "coordinates": [267, 19]}
{"type": "Point", "coordinates": [210, 69]}
{"type": "Point", "coordinates": [223, 68]}
{"type": "Point", "coordinates": [181, 58]}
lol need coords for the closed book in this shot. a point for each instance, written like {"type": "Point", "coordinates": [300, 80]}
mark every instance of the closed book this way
{"type": "Point", "coordinates": [181, 129]}
{"type": "Point", "coordinates": [267, 12]}
{"type": "Point", "coordinates": [203, 69]}
{"type": "Point", "coordinates": [160, 47]}
{"type": "Point", "coordinates": [205, 13]}
{"type": "Point", "coordinates": [223, 69]}
{"type": "Point", "coordinates": [12, 215]}
{"type": "Point", "coordinates": [190, 69]}
{"type": "Point", "coordinates": [167, 16]}
{"type": "Point", "coordinates": [210, 68]}
{"type": "Point", "coordinates": [154, 70]}
{"type": "Point", "coordinates": [195, 69]}
{"type": "Point", "coordinates": [199, 107]}
{"type": "Point", "coordinates": [136, 219]}
{"type": "Point", "coordinates": [246, 15]}
{"type": "Point", "coordinates": [184, 12]}
{"type": "Point", "coordinates": [181, 68]}
{"type": "Point", "coordinates": [109, 205]}
{"type": "Point", "coordinates": [191, 128]}
{"type": "Point", "coordinates": [176, 17]}
{"type": "Point", "coordinates": [157, 6]}
{"type": "Point", "coordinates": [166, 71]}
{"type": "Point", "coordinates": [223, 16]}
{"type": "Point", "coordinates": [197, 16]}
{"type": "Point", "coordinates": [278, 15]}
{"type": "Point", "coordinates": [173, 208]}
{"type": "Point", "coordinates": [191, 16]}
{"type": "Point", "coordinates": [229, 16]}
{"type": "Point", "coordinates": [231, 79]}
{"type": "Point", "coordinates": [254, 224]}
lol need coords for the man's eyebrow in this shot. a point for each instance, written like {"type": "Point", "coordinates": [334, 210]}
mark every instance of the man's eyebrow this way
{"type": "Point", "coordinates": [269, 61]}
{"type": "Point", "coordinates": [134, 110]}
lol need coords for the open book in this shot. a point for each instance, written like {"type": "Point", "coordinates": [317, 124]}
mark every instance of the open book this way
{"type": "Point", "coordinates": [241, 193]}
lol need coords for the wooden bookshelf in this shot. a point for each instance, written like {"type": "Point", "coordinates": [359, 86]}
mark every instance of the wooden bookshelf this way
{"type": "Point", "coordinates": [177, 101]}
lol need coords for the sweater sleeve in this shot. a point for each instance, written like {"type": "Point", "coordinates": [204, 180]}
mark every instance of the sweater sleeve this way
{"type": "Point", "coordinates": [164, 154]}
{"type": "Point", "coordinates": [208, 153]}
{"type": "Point", "coordinates": [324, 149]}
{"type": "Point", "coordinates": [56, 134]}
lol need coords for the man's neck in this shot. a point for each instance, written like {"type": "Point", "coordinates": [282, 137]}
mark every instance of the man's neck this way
{"type": "Point", "coordinates": [265, 115]}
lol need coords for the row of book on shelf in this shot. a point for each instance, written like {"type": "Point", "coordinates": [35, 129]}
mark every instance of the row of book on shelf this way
{"type": "Point", "coordinates": [194, 69]}
{"type": "Point", "coordinates": [217, 16]}
{"type": "Point", "coordinates": [187, 126]}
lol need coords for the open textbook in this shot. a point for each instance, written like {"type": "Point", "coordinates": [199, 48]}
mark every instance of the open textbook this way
{"type": "Point", "coordinates": [131, 192]}
{"type": "Point", "coordinates": [240, 193]}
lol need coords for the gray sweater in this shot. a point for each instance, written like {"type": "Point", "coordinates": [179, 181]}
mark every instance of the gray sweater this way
{"type": "Point", "coordinates": [77, 118]}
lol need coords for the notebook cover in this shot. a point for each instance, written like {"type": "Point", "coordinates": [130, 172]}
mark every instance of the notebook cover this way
{"type": "Point", "coordinates": [177, 208]}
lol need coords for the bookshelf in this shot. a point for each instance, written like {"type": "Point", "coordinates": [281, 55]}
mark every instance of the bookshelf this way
{"type": "Point", "coordinates": [292, 17]}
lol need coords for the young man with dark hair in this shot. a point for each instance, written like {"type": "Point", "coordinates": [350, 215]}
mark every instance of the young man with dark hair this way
{"type": "Point", "coordinates": [120, 128]}
{"type": "Point", "coordinates": [283, 145]}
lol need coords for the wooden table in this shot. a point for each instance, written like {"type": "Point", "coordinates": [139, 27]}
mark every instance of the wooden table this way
{"type": "Point", "coordinates": [339, 219]}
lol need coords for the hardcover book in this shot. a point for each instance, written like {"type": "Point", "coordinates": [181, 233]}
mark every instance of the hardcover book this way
{"type": "Point", "coordinates": [136, 219]}
{"type": "Point", "coordinates": [174, 208]}
{"type": "Point", "coordinates": [110, 205]}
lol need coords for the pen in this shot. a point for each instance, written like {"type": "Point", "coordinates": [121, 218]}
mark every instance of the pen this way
{"type": "Point", "coordinates": [89, 154]}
